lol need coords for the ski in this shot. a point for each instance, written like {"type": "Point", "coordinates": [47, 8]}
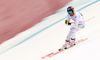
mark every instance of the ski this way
{"type": "Point", "coordinates": [63, 49]}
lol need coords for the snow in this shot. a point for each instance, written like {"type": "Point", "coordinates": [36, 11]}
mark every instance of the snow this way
{"type": "Point", "coordinates": [52, 38]}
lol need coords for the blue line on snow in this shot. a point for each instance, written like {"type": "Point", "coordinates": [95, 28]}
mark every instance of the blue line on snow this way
{"type": "Point", "coordinates": [47, 27]}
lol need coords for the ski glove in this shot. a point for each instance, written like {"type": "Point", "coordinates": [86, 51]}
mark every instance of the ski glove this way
{"type": "Point", "coordinates": [67, 23]}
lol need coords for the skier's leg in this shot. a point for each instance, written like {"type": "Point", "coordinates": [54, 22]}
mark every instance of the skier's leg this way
{"type": "Point", "coordinates": [69, 35]}
{"type": "Point", "coordinates": [73, 35]}
{"type": "Point", "coordinates": [73, 32]}
{"type": "Point", "coordinates": [67, 41]}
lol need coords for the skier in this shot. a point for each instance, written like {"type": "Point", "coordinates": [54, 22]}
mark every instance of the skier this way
{"type": "Point", "coordinates": [77, 25]}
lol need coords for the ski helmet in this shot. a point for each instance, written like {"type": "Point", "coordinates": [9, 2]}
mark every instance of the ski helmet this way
{"type": "Point", "coordinates": [70, 9]}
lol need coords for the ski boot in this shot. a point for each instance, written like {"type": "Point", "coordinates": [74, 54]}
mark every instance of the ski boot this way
{"type": "Point", "coordinates": [72, 42]}
{"type": "Point", "coordinates": [66, 45]}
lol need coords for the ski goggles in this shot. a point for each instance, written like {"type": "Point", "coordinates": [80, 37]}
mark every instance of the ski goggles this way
{"type": "Point", "coordinates": [69, 12]}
